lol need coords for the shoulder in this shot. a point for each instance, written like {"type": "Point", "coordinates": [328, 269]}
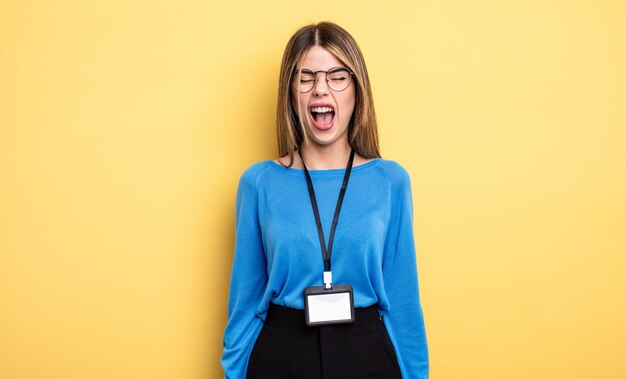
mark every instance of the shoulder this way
{"type": "Point", "coordinates": [399, 183]}
{"type": "Point", "coordinates": [251, 176]}
{"type": "Point", "coordinates": [394, 172]}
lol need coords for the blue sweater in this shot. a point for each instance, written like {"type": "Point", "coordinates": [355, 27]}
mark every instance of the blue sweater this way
{"type": "Point", "coordinates": [277, 253]}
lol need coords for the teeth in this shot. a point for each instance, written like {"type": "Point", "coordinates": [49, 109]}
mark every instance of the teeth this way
{"type": "Point", "coordinates": [322, 109]}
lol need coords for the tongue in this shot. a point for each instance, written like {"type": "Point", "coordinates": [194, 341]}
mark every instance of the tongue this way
{"type": "Point", "coordinates": [324, 118]}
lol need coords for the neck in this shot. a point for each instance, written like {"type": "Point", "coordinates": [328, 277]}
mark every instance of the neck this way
{"type": "Point", "coordinates": [325, 157]}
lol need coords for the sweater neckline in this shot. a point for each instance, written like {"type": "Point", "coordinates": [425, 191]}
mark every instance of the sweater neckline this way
{"type": "Point", "coordinates": [326, 172]}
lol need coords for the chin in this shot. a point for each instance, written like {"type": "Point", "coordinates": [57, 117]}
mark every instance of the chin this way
{"type": "Point", "coordinates": [326, 138]}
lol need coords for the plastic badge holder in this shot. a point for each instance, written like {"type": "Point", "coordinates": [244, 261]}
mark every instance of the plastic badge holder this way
{"type": "Point", "coordinates": [329, 307]}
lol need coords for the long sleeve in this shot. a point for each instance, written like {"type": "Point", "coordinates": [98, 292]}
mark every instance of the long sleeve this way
{"type": "Point", "coordinates": [248, 280]}
{"type": "Point", "coordinates": [404, 318]}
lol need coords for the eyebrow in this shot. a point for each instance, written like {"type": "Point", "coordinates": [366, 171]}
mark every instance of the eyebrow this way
{"type": "Point", "coordinates": [330, 69]}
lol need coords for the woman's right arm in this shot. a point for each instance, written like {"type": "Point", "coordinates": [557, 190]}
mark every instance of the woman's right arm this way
{"type": "Point", "coordinates": [248, 280]}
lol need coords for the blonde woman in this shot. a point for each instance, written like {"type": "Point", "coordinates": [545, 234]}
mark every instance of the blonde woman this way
{"type": "Point", "coordinates": [324, 279]}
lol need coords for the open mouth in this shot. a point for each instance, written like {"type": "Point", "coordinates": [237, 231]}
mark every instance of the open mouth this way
{"type": "Point", "coordinates": [322, 117]}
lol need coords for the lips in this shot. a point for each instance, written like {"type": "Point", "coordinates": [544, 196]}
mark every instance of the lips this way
{"type": "Point", "coordinates": [323, 116]}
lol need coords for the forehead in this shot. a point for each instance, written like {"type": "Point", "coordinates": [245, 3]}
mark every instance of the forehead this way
{"type": "Point", "coordinates": [318, 58]}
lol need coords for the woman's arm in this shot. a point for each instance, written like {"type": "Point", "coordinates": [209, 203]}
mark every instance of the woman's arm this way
{"type": "Point", "coordinates": [248, 280]}
{"type": "Point", "coordinates": [404, 319]}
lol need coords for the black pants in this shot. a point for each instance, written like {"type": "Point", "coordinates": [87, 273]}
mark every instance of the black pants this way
{"type": "Point", "coordinates": [289, 349]}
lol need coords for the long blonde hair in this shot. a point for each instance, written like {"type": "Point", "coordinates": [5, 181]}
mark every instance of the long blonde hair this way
{"type": "Point", "coordinates": [362, 129]}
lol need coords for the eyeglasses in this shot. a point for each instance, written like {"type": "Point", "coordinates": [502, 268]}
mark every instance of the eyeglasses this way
{"type": "Point", "coordinates": [337, 79]}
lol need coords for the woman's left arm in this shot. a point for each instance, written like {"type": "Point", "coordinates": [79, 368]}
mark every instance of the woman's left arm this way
{"type": "Point", "coordinates": [404, 318]}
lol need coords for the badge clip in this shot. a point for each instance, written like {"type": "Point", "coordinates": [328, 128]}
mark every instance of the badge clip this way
{"type": "Point", "coordinates": [328, 280]}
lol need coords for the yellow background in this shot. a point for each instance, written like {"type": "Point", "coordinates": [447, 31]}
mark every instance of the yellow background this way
{"type": "Point", "coordinates": [124, 127]}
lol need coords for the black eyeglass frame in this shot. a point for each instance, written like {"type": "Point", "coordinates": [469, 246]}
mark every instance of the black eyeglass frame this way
{"type": "Point", "coordinates": [314, 73]}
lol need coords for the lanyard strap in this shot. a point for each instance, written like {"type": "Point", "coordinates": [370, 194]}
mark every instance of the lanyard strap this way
{"type": "Point", "coordinates": [326, 252]}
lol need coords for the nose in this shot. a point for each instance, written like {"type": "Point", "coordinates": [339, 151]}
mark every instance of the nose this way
{"type": "Point", "coordinates": [321, 87]}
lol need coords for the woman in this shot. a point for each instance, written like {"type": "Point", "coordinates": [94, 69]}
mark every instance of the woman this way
{"type": "Point", "coordinates": [315, 295]}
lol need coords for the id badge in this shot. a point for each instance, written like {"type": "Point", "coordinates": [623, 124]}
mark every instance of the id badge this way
{"type": "Point", "coordinates": [329, 306]}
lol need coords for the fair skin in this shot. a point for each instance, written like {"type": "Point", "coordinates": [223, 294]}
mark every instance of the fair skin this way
{"type": "Point", "coordinates": [326, 144]}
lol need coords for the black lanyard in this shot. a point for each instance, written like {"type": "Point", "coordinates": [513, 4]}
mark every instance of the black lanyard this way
{"type": "Point", "coordinates": [326, 252]}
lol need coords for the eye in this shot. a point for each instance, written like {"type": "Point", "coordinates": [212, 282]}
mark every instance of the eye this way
{"type": "Point", "coordinates": [337, 78]}
{"type": "Point", "coordinates": [339, 75]}
{"type": "Point", "coordinates": [305, 76]}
